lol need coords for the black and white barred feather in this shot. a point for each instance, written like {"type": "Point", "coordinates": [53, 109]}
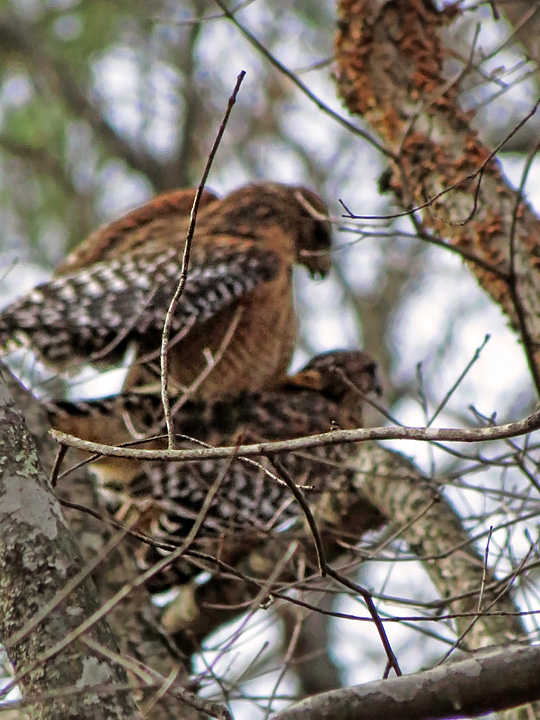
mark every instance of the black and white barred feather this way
{"type": "Point", "coordinates": [99, 310]}
{"type": "Point", "coordinates": [250, 500]}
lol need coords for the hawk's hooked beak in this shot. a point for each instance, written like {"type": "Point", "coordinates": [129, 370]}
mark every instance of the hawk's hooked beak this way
{"type": "Point", "coordinates": [318, 262]}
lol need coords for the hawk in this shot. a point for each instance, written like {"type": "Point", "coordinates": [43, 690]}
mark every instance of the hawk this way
{"type": "Point", "coordinates": [234, 327]}
{"type": "Point", "coordinates": [250, 500]}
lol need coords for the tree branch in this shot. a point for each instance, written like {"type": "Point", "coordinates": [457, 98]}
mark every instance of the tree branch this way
{"type": "Point", "coordinates": [493, 680]}
{"type": "Point", "coordinates": [135, 621]}
{"type": "Point", "coordinates": [493, 432]}
{"type": "Point", "coordinates": [440, 163]}
{"type": "Point", "coordinates": [37, 558]}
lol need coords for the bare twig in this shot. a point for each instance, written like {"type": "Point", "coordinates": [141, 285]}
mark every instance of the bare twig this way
{"type": "Point", "coordinates": [167, 685]}
{"type": "Point", "coordinates": [185, 263]}
{"type": "Point", "coordinates": [496, 432]}
{"type": "Point", "coordinates": [368, 599]}
{"type": "Point", "coordinates": [477, 173]}
{"type": "Point", "coordinates": [230, 15]}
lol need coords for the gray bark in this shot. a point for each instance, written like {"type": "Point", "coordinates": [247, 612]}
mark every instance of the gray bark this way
{"type": "Point", "coordinates": [493, 680]}
{"type": "Point", "coordinates": [37, 559]}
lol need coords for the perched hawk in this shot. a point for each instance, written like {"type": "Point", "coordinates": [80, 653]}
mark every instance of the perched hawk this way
{"type": "Point", "coordinates": [234, 327]}
{"type": "Point", "coordinates": [250, 500]}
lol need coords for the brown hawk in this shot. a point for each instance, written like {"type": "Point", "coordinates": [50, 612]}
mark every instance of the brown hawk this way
{"type": "Point", "coordinates": [328, 393]}
{"type": "Point", "coordinates": [114, 291]}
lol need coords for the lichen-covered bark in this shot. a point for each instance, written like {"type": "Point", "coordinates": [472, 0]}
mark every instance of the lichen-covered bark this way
{"type": "Point", "coordinates": [135, 621]}
{"type": "Point", "coordinates": [37, 559]}
{"type": "Point", "coordinates": [387, 481]}
{"type": "Point", "coordinates": [391, 70]}
{"type": "Point", "coordinates": [491, 680]}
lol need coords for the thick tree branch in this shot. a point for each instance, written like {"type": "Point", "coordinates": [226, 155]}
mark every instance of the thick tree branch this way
{"type": "Point", "coordinates": [493, 680]}
{"type": "Point", "coordinates": [135, 621]}
{"type": "Point", "coordinates": [37, 559]}
{"type": "Point", "coordinates": [391, 60]}
{"type": "Point", "coordinates": [386, 483]}
{"type": "Point", "coordinates": [434, 531]}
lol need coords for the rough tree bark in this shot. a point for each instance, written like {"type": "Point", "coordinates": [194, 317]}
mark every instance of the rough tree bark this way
{"type": "Point", "coordinates": [37, 559]}
{"type": "Point", "coordinates": [138, 638]}
{"type": "Point", "coordinates": [391, 70]}
{"type": "Point", "coordinates": [492, 680]}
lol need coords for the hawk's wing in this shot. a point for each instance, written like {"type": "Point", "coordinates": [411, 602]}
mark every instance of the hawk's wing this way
{"type": "Point", "coordinates": [95, 312]}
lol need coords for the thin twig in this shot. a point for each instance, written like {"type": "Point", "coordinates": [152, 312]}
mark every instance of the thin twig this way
{"type": "Point", "coordinates": [521, 314]}
{"type": "Point", "coordinates": [108, 606]}
{"type": "Point", "coordinates": [230, 15]}
{"type": "Point", "coordinates": [70, 586]}
{"type": "Point", "coordinates": [166, 684]}
{"type": "Point", "coordinates": [487, 434]}
{"type": "Point", "coordinates": [484, 572]}
{"type": "Point", "coordinates": [495, 600]}
{"type": "Point", "coordinates": [478, 173]}
{"type": "Point", "coordinates": [59, 459]}
{"type": "Point", "coordinates": [185, 264]}
{"type": "Point", "coordinates": [368, 599]}
{"type": "Point", "coordinates": [469, 365]}
{"type": "Point", "coordinates": [210, 362]}
{"type": "Point", "coordinates": [300, 499]}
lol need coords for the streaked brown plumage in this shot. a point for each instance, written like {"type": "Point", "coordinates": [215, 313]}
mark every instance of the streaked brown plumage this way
{"type": "Point", "coordinates": [115, 289]}
{"type": "Point", "coordinates": [326, 394]}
